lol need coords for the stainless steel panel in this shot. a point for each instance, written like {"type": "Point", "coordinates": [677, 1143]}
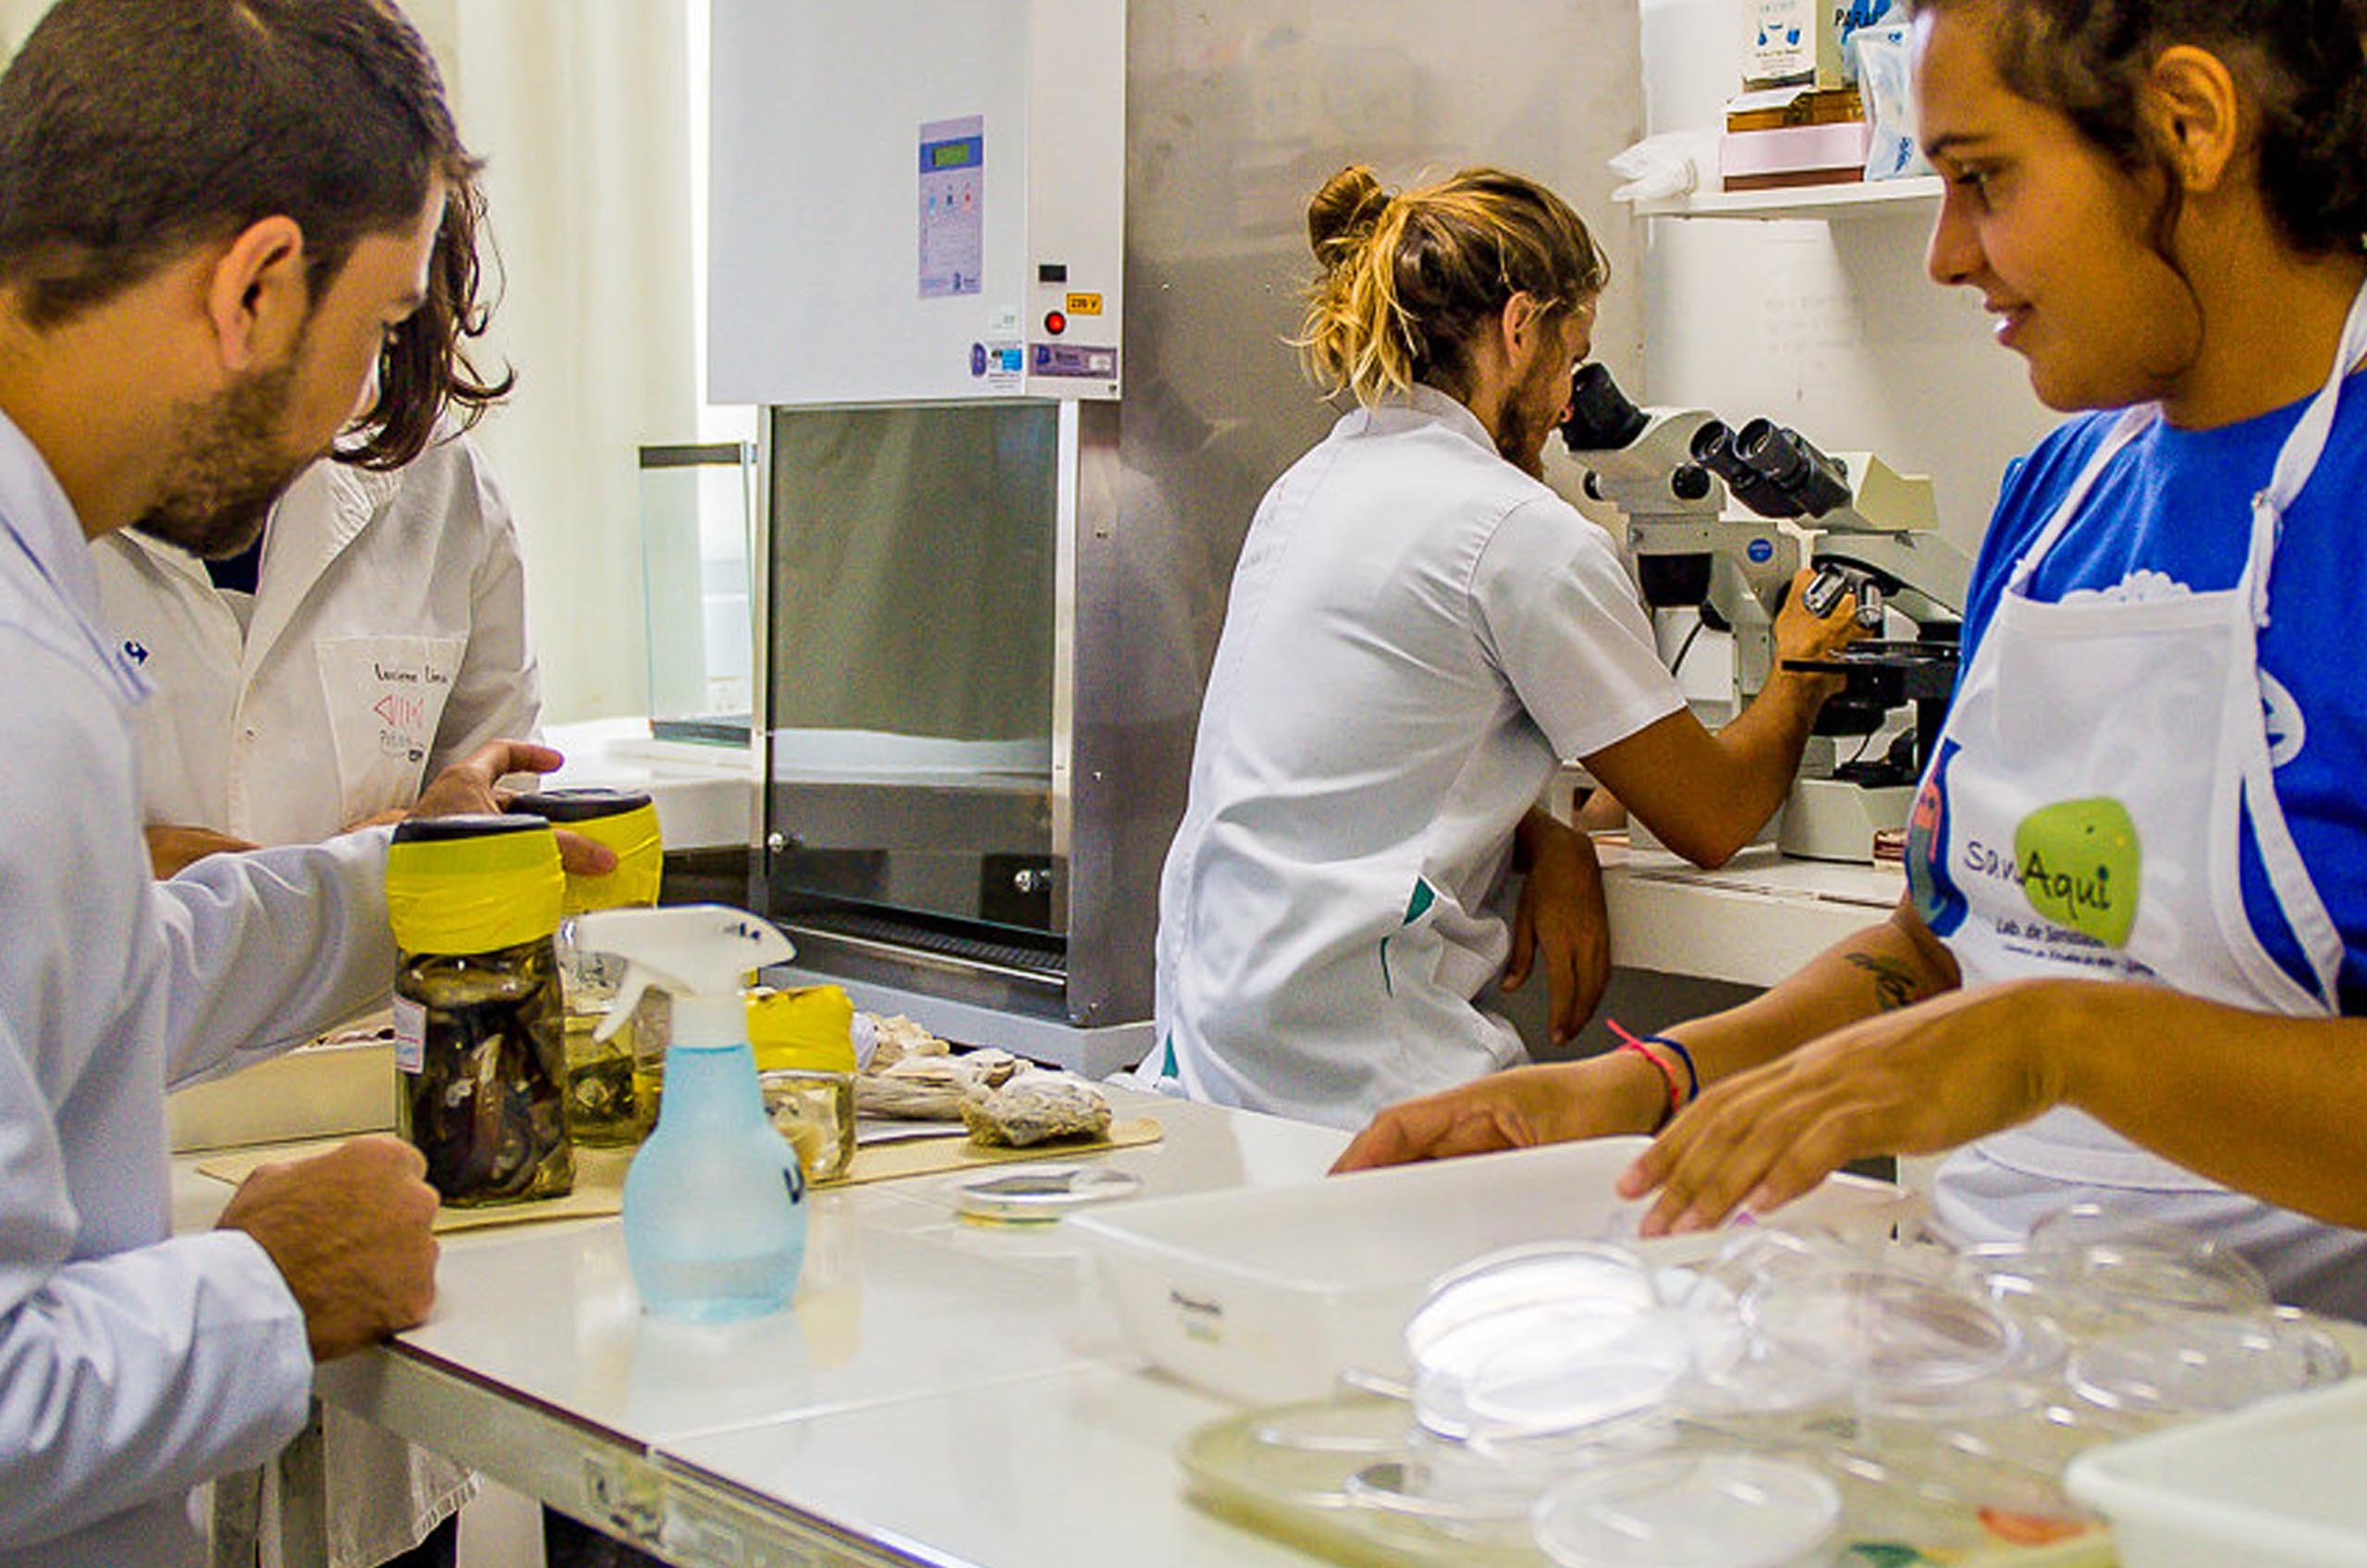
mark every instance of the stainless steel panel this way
{"type": "Point", "coordinates": [1236, 111]}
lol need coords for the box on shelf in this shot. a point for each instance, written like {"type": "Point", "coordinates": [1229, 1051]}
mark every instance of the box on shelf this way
{"type": "Point", "coordinates": [1267, 1294]}
{"type": "Point", "coordinates": [1807, 155]}
{"type": "Point", "coordinates": [1779, 108]}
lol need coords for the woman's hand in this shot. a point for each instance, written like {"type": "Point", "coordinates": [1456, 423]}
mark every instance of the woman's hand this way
{"type": "Point", "coordinates": [1926, 1078]}
{"type": "Point", "coordinates": [1518, 1109]}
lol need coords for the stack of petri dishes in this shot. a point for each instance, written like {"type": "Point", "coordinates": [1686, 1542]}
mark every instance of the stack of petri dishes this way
{"type": "Point", "coordinates": [1791, 1397]}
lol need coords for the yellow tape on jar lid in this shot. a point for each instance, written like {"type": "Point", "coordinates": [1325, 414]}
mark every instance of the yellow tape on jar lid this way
{"type": "Point", "coordinates": [626, 821]}
{"type": "Point", "coordinates": [473, 884]}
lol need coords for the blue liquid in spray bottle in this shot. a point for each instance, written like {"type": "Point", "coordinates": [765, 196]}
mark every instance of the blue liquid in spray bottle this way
{"type": "Point", "coordinates": [715, 1201]}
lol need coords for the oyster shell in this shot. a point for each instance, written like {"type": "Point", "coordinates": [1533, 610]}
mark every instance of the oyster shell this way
{"type": "Point", "coordinates": [1036, 1108]}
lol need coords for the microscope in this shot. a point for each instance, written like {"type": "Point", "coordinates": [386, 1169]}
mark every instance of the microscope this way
{"type": "Point", "coordinates": [1867, 529]}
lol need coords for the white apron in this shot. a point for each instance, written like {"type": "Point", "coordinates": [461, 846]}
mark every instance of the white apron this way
{"type": "Point", "coordinates": [2085, 794]}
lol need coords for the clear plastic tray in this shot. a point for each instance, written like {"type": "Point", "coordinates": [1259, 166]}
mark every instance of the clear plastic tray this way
{"type": "Point", "coordinates": [1290, 1473]}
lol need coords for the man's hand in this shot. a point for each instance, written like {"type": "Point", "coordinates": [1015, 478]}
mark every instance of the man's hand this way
{"type": "Point", "coordinates": [1801, 635]}
{"type": "Point", "coordinates": [1562, 920]}
{"type": "Point", "coordinates": [471, 784]}
{"type": "Point", "coordinates": [1518, 1109]}
{"type": "Point", "coordinates": [172, 850]}
{"type": "Point", "coordinates": [348, 1231]}
{"type": "Point", "coordinates": [1926, 1078]}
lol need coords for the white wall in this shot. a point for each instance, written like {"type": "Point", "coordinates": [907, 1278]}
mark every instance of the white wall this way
{"type": "Point", "coordinates": [1831, 328]}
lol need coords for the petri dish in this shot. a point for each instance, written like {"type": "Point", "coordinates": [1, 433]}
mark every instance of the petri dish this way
{"type": "Point", "coordinates": [1566, 1370]}
{"type": "Point", "coordinates": [2204, 1365]}
{"type": "Point", "coordinates": [1026, 1195]}
{"type": "Point", "coordinates": [2136, 1264]}
{"type": "Point", "coordinates": [1884, 1333]}
{"type": "Point", "coordinates": [1545, 1273]}
{"type": "Point", "coordinates": [1704, 1510]}
{"type": "Point", "coordinates": [1545, 1338]}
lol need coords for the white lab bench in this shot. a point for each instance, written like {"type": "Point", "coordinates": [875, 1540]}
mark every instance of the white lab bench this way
{"type": "Point", "coordinates": [940, 1393]}
{"type": "Point", "coordinates": [1751, 922]}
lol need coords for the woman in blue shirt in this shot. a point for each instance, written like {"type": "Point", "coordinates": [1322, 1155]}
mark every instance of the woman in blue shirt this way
{"type": "Point", "coordinates": [2136, 936]}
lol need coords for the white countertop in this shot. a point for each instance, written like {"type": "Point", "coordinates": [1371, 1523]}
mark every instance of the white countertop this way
{"type": "Point", "coordinates": [954, 1391]}
{"type": "Point", "coordinates": [898, 1297]}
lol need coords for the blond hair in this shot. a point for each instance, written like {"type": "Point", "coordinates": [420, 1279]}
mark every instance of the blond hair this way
{"type": "Point", "coordinates": [1405, 280]}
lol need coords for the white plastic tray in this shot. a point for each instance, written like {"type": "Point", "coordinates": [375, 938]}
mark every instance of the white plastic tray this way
{"type": "Point", "coordinates": [2282, 1485]}
{"type": "Point", "coordinates": [1267, 1294]}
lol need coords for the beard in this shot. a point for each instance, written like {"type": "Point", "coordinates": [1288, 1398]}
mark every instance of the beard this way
{"type": "Point", "coordinates": [227, 470]}
{"type": "Point", "coordinates": [1530, 412]}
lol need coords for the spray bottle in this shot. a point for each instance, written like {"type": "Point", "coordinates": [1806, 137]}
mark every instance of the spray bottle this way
{"type": "Point", "coordinates": [715, 1203]}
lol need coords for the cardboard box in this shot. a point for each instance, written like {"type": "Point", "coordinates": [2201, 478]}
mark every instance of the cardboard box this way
{"type": "Point", "coordinates": [318, 1092]}
{"type": "Point", "coordinates": [1808, 154]}
{"type": "Point", "coordinates": [1779, 108]}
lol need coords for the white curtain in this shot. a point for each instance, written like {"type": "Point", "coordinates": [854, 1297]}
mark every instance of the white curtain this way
{"type": "Point", "coordinates": [583, 111]}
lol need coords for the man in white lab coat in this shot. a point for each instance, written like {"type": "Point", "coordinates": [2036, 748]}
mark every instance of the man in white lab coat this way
{"type": "Point", "coordinates": [372, 636]}
{"type": "Point", "coordinates": [381, 638]}
{"type": "Point", "coordinates": [1419, 631]}
{"type": "Point", "coordinates": [213, 217]}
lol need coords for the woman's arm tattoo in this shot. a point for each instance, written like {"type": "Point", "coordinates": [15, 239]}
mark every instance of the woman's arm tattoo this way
{"type": "Point", "coordinates": [1894, 985]}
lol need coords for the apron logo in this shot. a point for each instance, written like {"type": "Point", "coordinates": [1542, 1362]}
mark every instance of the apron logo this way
{"type": "Point", "coordinates": [2079, 864]}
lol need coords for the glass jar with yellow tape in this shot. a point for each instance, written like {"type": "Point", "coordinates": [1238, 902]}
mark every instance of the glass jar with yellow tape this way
{"type": "Point", "coordinates": [608, 1106]}
{"type": "Point", "coordinates": [480, 1048]}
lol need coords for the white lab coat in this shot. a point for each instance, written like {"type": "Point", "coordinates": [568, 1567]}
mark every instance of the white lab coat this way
{"type": "Point", "coordinates": [1417, 632]}
{"type": "Point", "coordinates": [389, 618]}
{"type": "Point", "coordinates": [132, 1365]}
{"type": "Point", "coordinates": [385, 639]}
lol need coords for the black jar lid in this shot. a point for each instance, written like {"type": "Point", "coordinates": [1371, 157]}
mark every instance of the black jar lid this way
{"type": "Point", "coordinates": [578, 803]}
{"type": "Point", "coordinates": [477, 824]}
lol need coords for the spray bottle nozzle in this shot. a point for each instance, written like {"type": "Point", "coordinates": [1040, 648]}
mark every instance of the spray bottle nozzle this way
{"type": "Point", "coordinates": [701, 953]}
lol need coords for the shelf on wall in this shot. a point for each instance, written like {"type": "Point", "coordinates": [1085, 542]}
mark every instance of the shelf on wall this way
{"type": "Point", "coordinates": [1856, 198]}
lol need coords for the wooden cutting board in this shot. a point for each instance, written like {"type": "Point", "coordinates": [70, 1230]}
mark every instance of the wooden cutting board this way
{"type": "Point", "coordinates": [600, 1173]}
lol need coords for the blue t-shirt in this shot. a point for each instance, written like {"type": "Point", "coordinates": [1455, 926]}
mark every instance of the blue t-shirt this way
{"type": "Point", "coordinates": [2178, 502]}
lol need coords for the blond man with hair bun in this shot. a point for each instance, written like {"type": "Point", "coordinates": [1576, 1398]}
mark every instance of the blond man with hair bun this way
{"type": "Point", "coordinates": [1420, 632]}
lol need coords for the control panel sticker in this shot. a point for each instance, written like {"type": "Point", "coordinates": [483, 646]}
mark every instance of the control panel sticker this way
{"type": "Point", "coordinates": [1085, 304]}
{"type": "Point", "coordinates": [952, 206]}
{"type": "Point", "coordinates": [1079, 360]}
{"type": "Point", "coordinates": [999, 362]}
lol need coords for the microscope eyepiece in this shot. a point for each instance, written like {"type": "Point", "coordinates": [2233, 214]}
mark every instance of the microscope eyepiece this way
{"type": "Point", "coordinates": [1815, 484]}
{"type": "Point", "coordinates": [1602, 418]}
{"type": "Point", "coordinates": [1714, 447]}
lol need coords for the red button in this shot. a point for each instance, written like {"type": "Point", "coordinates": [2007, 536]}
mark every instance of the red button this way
{"type": "Point", "coordinates": [1055, 323]}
